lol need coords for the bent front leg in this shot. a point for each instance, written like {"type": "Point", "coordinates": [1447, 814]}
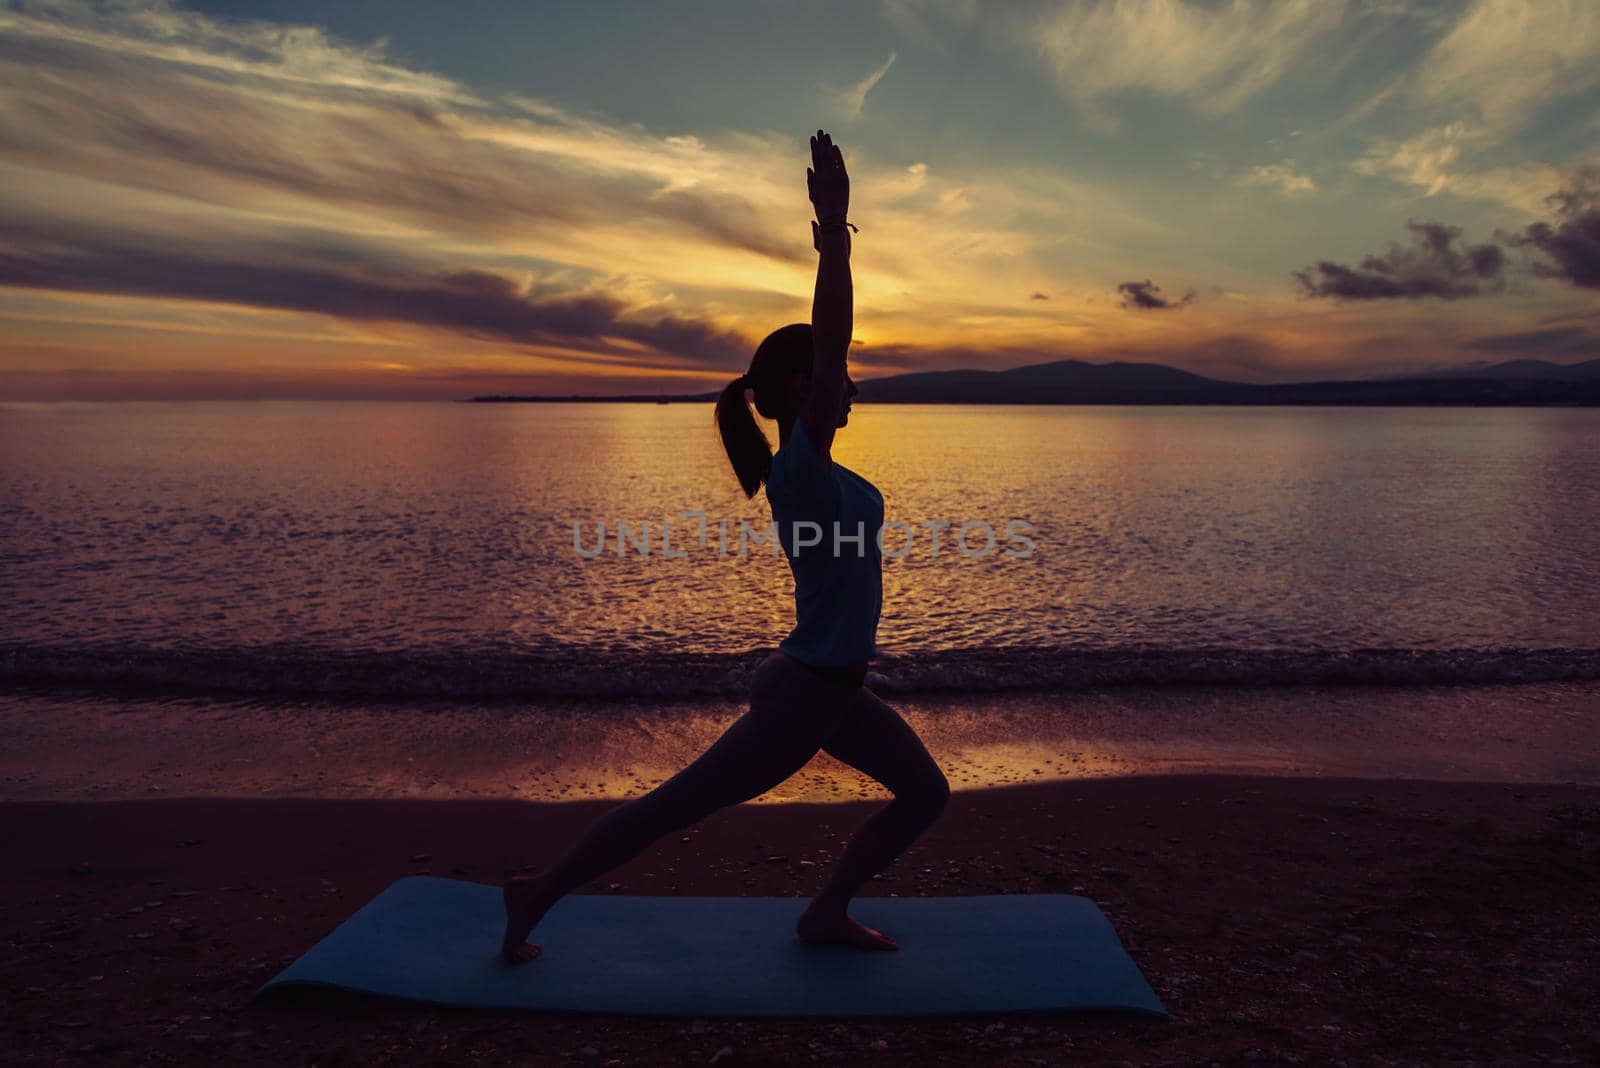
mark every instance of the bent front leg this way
{"type": "Point", "coordinates": [765, 746]}
{"type": "Point", "coordinates": [874, 739]}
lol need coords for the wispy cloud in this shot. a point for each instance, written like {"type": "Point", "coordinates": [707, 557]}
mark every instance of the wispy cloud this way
{"type": "Point", "coordinates": [1209, 57]}
{"type": "Point", "coordinates": [1280, 176]}
{"type": "Point", "coordinates": [850, 100]}
{"type": "Point", "coordinates": [410, 159]}
{"type": "Point", "coordinates": [1506, 58]}
{"type": "Point", "coordinates": [891, 188]}
{"type": "Point", "coordinates": [156, 31]}
{"type": "Point", "coordinates": [1441, 160]}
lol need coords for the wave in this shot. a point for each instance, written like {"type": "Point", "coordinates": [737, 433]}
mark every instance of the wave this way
{"type": "Point", "coordinates": [502, 675]}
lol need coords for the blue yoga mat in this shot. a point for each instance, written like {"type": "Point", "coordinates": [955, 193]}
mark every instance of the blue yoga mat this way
{"type": "Point", "coordinates": [437, 940]}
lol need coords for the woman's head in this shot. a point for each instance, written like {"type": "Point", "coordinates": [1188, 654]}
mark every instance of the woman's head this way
{"type": "Point", "coordinates": [780, 378]}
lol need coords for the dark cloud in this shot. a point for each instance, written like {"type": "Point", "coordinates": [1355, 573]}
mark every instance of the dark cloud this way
{"type": "Point", "coordinates": [1554, 341]}
{"type": "Point", "coordinates": [1433, 266]}
{"type": "Point", "coordinates": [1039, 296]}
{"type": "Point", "coordinates": [1572, 245]}
{"type": "Point", "coordinates": [111, 384]}
{"type": "Point", "coordinates": [1147, 295]}
{"type": "Point", "coordinates": [1436, 265]}
{"type": "Point", "coordinates": [355, 284]}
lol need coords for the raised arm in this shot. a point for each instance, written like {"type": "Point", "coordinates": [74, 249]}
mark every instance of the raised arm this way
{"type": "Point", "coordinates": [832, 306]}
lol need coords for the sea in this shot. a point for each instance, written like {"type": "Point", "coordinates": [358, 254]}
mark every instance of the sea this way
{"type": "Point", "coordinates": [382, 554]}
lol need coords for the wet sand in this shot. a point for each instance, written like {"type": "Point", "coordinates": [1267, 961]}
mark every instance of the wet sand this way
{"type": "Point", "coordinates": [1281, 920]}
{"type": "Point", "coordinates": [94, 747]}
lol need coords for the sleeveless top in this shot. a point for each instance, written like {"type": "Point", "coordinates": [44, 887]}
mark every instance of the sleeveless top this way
{"type": "Point", "coordinates": [828, 520]}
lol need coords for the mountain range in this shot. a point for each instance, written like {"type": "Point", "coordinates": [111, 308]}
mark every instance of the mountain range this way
{"type": "Point", "coordinates": [1516, 382]}
{"type": "Point", "coordinates": [1080, 382]}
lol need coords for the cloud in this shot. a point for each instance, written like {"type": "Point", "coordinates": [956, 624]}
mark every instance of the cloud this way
{"type": "Point", "coordinates": [1147, 295]}
{"type": "Point", "coordinates": [1572, 245]}
{"type": "Point", "coordinates": [411, 160]}
{"type": "Point", "coordinates": [1366, 107]}
{"type": "Point", "coordinates": [274, 167]}
{"type": "Point", "coordinates": [1431, 267]}
{"type": "Point", "coordinates": [355, 283]}
{"type": "Point", "coordinates": [1507, 58]}
{"type": "Point", "coordinates": [1039, 296]}
{"type": "Point", "coordinates": [1212, 57]}
{"type": "Point", "coordinates": [894, 188]}
{"type": "Point", "coordinates": [153, 32]}
{"type": "Point", "coordinates": [1423, 160]}
{"type": "Point", "coordinates": [244, 167]}
{"type": "Point", "coordinates": [1497, 64]}
{"type": "Point", "coordinates": [1435, 162]}
{"type": "Point", "coordinates": [850, 100]}
{"type": "Point", "coordinates": [1280, 176]}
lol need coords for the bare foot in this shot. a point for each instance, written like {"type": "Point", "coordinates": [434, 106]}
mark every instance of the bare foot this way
{"type": "Point", "coordinates": [841, 929]}
{"type": "Point", "coordinates": [524, 909]}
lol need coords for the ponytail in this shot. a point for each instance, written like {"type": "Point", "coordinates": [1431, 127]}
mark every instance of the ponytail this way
{"type": "Point", "coordinates": [784, 353]}
{"type": "Point", "coordinates": [748, 448]}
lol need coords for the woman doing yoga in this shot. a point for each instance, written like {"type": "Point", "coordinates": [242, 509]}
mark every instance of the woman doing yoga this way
{"type": "Point", "coordinates": [810, 693]}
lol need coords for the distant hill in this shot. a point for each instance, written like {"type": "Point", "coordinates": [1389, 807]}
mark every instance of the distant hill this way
{"type": "Point", "coordinates": [1542, 370]}
{"type": "Point", "coordinates": [1060, 382]}
{"type": "Point", "coordinates": [1517, 382]}
{"type": "Point", "coordinates": [594, 398]}
{"type": "Point", "coordinates": [1079, 382]}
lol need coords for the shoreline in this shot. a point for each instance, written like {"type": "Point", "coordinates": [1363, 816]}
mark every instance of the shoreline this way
{"type": "Point", "coordinates": [1385, 921]}
{"type": "Point", "coordinates": [99, 747]}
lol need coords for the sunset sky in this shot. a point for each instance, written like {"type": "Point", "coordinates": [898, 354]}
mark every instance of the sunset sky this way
{"type": "Point", "coordinates": [407, 199]}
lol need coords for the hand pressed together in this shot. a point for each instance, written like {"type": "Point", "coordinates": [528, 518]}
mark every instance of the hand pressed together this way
{"type": "Point", "coordinates": [827, 182]}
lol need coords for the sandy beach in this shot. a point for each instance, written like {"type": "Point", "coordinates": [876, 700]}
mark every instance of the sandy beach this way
{"type": "Point", "coordinates": [1280, 919]}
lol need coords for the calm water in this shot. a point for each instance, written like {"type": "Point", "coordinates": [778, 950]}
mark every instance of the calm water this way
{"type": "Point", "coordinates": [366, 547]}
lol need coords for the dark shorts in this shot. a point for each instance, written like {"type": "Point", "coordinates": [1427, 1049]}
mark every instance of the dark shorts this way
{"type": "Point", "coordinates": [851, 677]}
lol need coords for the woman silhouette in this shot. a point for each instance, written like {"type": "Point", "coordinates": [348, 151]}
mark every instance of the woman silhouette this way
{"type": "Point", "coordinates": [809, 694]}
